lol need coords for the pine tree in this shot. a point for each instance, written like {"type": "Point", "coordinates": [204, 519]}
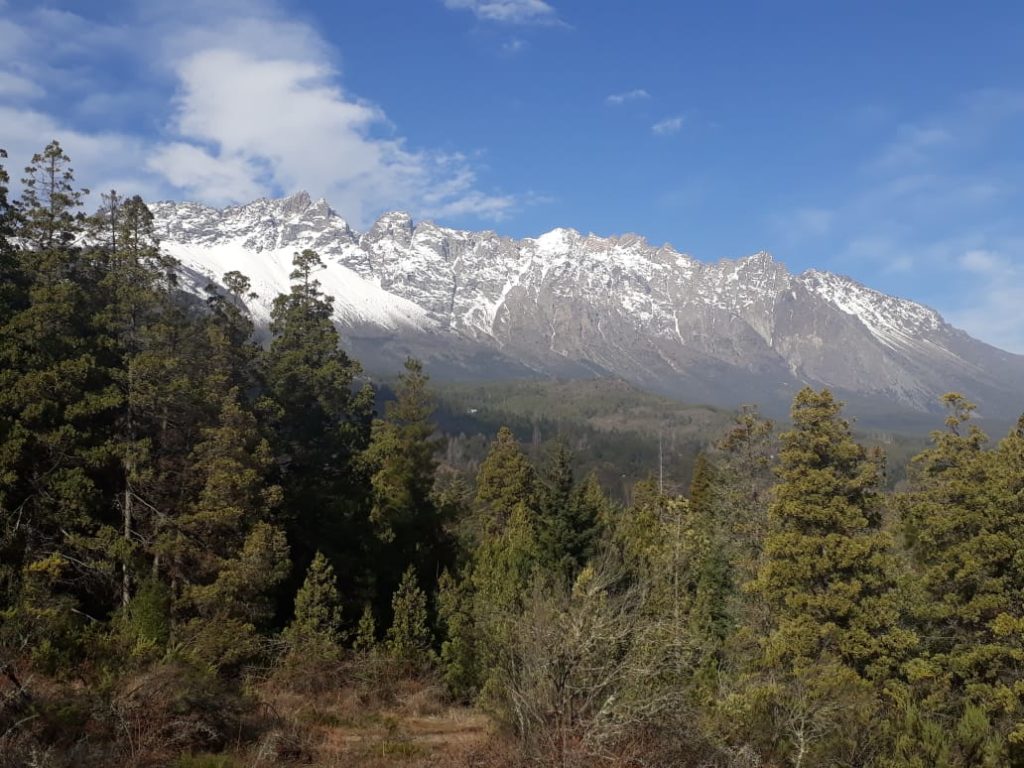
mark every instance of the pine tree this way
{"type": "Point", "coordinates": [571, 516]}
{"type": "Point", "coordinates": [55, 399]}
{"type": "Point", "coordinates": [409, 639]}
{"type": "Point", "coordinates": [13, 287]}
{"type": "Point", "coordinates": [225, 552]}
{"type": "Point", "coordinates": [963, 521]}
{"type": "Point", "coordinates": [366, 632]}
{"type": "Point", "coordinates": [322, 424]}
{"type": "Point", "coordinates": [317, 608]}
{"type": "Point", "coordinates": [234, 355]}
{"type": "Point", "coordinates": [827, 577]}
{"type": "Point", "coordinates": [50, 203]}
{"type": "Point", "coordinates": [826, 570]}
{"type": "Point", "coordinates": [459, 651]}
{"type": "Point", "coordinates": [238, 603]}
{"type": "Point", "coordinates": [713, 574]}
{"type": "Point", "coordinates": [556, 528]}
{"type": "Point", "coordinates": [230, 464]}
{"type": "Point", "coordinates": [132, 270]}
{"type": "Point", "coordinates": [13, 299]}
{"type": "Point", "coordinates": [506, 480]}
{"type": "Point", "coordinates": [746, 480]}
{"type": "Point", "coordinates": [401, 461]}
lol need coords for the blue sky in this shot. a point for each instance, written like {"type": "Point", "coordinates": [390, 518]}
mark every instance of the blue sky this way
{"type": "Point", "coordinates": [881, 140]}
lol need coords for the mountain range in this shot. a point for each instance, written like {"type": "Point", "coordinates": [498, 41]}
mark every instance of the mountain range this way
{"type": "Point", "coordinates": [479, 305]}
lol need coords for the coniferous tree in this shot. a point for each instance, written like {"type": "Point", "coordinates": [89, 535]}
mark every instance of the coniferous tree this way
{"type": "Point", "coordinates": [318, 618]}
{"type": "Point", "coordinates": [54, 396]}
{"type": "Point", "coordinates": [322, 423]}
{"type": "Point", "coordinates": [401, 461]}
{"type": "Point", "coordinates": [233, 354]}
{"type": "Point", "coordinates": [132, 270]}
{"type": "Point", "coordinates": [225, 553]}
{"type": "Point", "coordinates": [12, 279]}
{"type": "Point", "coordinates": [237, 604]}
{"type": "Point", "coordinates": [506, 480]}
{"type": "Point", "coordinates": [963, 520]}
{"type": "Point", "coordinates": [13, 297]}
{"type": "Point", "coordinates": [569, 516]}
{"type": "Point", "coordinates": [827, 571]}
{"type": "Point", "coordinates": [409, 639]}
{"type": "Point", "coordinates": [827, 576]}
{"type": "Point", "coordinates": [713, 576]}
{"type": "Point", "coordinates": [459, 648]}
{"type": "Point", "coordinates": [366, 632]}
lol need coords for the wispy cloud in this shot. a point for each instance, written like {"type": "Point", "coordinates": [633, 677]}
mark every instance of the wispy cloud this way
{"type": "Point", "coordinates": [912, 145]}
{"type": "Point", "coordinates": [933, 210]}
{"type": "Point", "coordinates": [515, 45]}
{"type": "Point", "coordinates": [992, 309]}
{"type": "Point", "coordinates": [259, 109]}
{"type": "Point", "coordinates": [617, 99]}
{"type": "Point", "coordinates": [508, 11]}
{"type": "Point", "coordinates": [667, 126]}
{"type": "Point", "coordinates": [983, 262]}
{"type": "Point", "coordinates": [14, 86]}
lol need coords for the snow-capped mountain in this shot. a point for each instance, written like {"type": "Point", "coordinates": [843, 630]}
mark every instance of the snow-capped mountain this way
{"type": "Point", "coordinates": [477, 304]}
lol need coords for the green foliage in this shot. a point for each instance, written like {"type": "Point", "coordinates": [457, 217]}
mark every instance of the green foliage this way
{"type": "Point", "coordinates": [409, 640]}
{"type": "Point", "coordinates": [366, 632]}
{"type": "Point", "coordinates": [145, 624]}
{"type": "Point", "coordinates": [161, 473]}
{"type": "Point", "coordinates": [459, 649]}
{"type": "Point", "coordinates": [317, 607]}
{"type": "Point", "coordinates": [506, 481]}
{"type": "Point", "coordinates": [570, 516]}
{"type": "Point", "coordinates": [963, 520]}
{"type": "Point", "coordinates": [827, 572]}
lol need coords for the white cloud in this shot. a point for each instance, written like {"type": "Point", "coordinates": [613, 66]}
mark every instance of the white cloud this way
{"type": "Point", "coordinates": [990, 307]}
{"type": "Point", "coordinates": [259, 123]}
{"type": "Point", "coordinates": [215, 179]}
{"type": "Point", "coordinates": [101, 161]}
{"type": "Point", "coordinates": [15, 86]}
{"type": "Point", "coordinates": [617, 99]}
{"type": "Point", "coordinates": [259, 109]}
{"type": "Point", "coordinates": [912, 146]}
{"type": "Point", "coordinates": [981, 262]}
{"type": "Point", "coordinates": [508, 11]}
{"type": "Point", "coordinates": [515, 45]}
{"type": "Point", "coordinates": [667, 126]}
{"type": "Point", "coordinates": [813, 221]}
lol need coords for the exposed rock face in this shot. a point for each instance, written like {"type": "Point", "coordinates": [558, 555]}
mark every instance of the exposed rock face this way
{"type": "Point", "coordinates": [479, 304]}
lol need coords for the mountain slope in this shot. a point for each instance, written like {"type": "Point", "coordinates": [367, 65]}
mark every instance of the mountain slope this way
{"type": "Point", "coordinates": [480, 305]}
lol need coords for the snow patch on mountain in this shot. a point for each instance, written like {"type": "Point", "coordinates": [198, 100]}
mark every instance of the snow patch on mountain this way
{"type": "Point", "coordinates": [743, 328]}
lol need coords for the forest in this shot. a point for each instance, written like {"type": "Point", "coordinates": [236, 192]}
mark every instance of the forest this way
{"type": "Point", "coordinates": [217, 552]}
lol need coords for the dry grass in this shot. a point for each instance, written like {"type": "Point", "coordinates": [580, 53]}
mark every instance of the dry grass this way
{"type": "Point", "coordinates": [412, 726]}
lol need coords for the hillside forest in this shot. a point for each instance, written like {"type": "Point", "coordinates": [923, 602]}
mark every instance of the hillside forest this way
{"type": "Point", "coordinates": [217, 552]}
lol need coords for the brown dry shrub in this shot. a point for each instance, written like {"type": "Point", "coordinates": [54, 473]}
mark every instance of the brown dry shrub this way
{"type": "Point", "coordinates": [176, 707]}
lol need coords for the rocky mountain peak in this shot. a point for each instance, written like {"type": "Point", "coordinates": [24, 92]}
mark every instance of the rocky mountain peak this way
{"type": "Point", "coordinates": [563, 303]}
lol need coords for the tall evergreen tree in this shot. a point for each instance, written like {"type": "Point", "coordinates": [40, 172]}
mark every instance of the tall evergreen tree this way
{"type": "Point", "coordinates": [401, 461]}
{"type": "Point", "coordinates": [570, 516]}
{"type": "Point", "coordinates": [827, 576]}
{"type": "Point", "coordinates": [827, 571]}
{"type": "Point", "coordinates": [132, 272]}
{"type": "Point", "coordinates": [323, 422]}
{"type": "Point", "coordinates": [506, 480]}
{"type": "Point", "coordinates": [12, 280]}
{"type": "Point", "coordinates": [54, 395]}
{"type": "Point", "coordinates": [964, 519]}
